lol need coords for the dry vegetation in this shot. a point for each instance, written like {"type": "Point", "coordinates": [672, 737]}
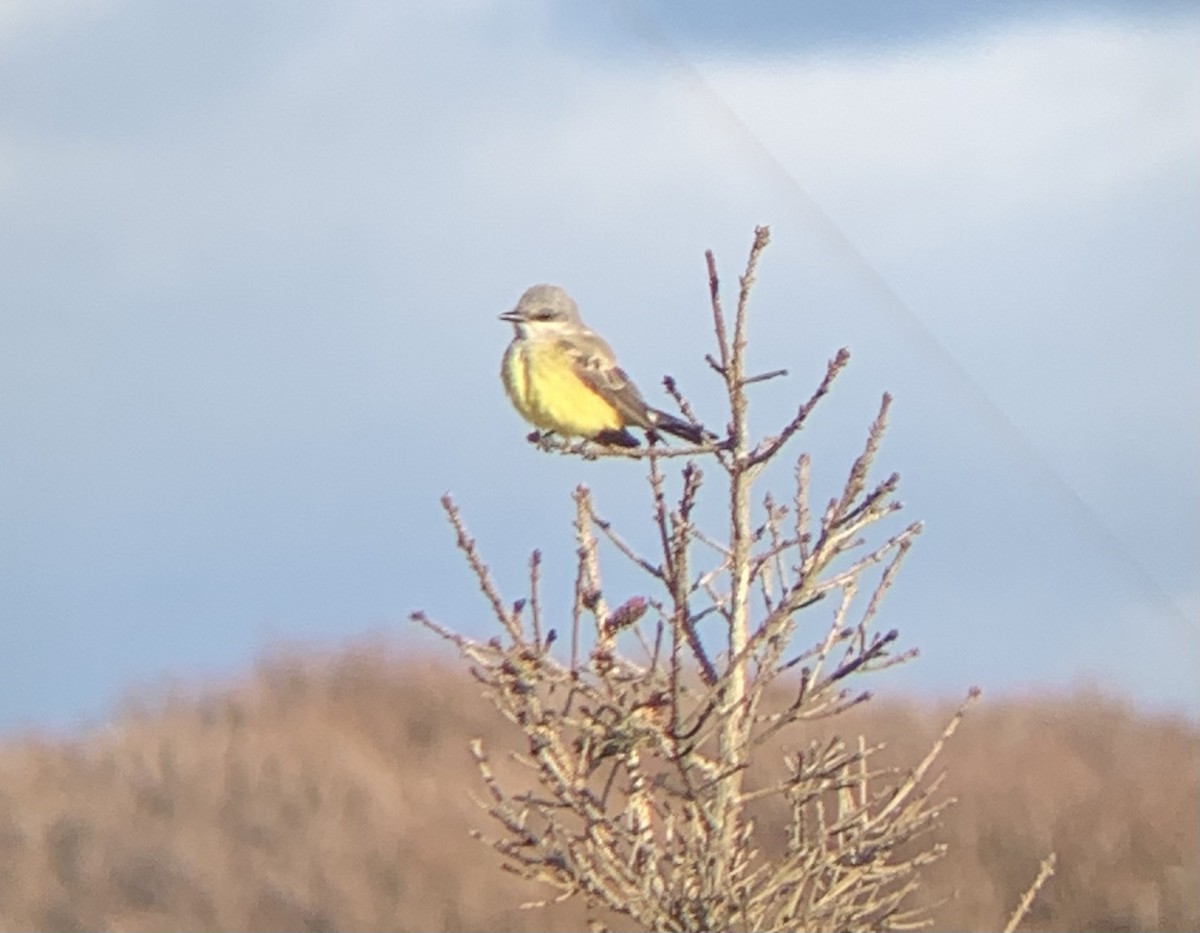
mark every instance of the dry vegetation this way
{"type": "Point", "coordinates": [332, 793]}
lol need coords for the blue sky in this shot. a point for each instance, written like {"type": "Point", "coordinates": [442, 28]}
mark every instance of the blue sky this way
{"type": "Point", "coordinates": [251, 258]}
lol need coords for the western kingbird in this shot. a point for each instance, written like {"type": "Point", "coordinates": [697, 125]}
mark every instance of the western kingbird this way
{"type": "Point", "coordinates": [564, 378]}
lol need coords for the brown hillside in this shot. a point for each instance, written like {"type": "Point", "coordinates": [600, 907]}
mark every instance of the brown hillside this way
{"type": "Point", "coordinates": [332, 793]}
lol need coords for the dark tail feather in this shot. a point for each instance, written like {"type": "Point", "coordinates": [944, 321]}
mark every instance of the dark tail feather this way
{"type": "Point", "coordinates": [681, 429]}
{"type": "Point", "coordinates": [616, 438]}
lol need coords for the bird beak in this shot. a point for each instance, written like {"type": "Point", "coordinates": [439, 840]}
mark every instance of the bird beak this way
{"type": "Point", "coordinates": [513, 317]}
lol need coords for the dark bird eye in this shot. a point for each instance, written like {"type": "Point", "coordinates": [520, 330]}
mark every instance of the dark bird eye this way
{"type": "Point", "coordinates": [543, 314]}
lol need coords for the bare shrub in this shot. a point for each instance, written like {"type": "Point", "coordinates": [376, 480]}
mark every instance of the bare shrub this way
{"type": "Point", "coordinates": [638, 742]}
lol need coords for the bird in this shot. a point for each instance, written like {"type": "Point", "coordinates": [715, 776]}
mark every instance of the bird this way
{"type": "Point", "coordinates": [562, 377]}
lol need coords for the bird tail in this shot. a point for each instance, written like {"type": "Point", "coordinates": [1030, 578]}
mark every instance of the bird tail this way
{"type": "Point", "coordinates": [662, 421]}
{"type": "Point", "coordinates": [616, 438]}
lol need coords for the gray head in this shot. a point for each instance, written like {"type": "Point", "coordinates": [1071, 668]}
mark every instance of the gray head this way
{"type": "Point", "coordinates": [544, 310]}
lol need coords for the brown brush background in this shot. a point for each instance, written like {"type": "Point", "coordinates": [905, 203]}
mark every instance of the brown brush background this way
{"type": "Point", "coordinates": [333, 792]}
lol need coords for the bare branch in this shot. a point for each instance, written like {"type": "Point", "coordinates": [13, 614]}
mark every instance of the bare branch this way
{"type": "Point", "coordinates": [1045, 871]}
{"type": "Point", "coordinates": [770, 446]}
{"type": "Point", "coordinates": [591, 450]}
{"type": "Point", "coordinates": [714, 292]}
{"type": "Point", "coordinates": [736, 361]}
{"type": "Point", "coordinates": [858, 472]}
{"type": "Point", "coordinates": [684, 406]}
{"type": "Point", "coordinates": [623, 546]}
{"type": "Point", "coordinates": [466, 544]}
{"type": "Point", "coordinates": [763, 377]}
{"type": "Point", "coordinates": [535, 607]}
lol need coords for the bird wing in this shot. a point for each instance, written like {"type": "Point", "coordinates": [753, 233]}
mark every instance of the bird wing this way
{"type": "Point", "coordinates": [596, 365]}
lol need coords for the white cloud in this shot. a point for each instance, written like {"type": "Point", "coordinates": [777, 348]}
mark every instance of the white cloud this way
{"type": "Point", "coordinates": [963, 133]}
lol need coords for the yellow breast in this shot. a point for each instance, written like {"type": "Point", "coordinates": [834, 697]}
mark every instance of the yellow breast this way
{"type": "Point", "coordinates": [540, 379]}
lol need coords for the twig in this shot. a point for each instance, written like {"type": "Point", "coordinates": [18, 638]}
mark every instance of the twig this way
{"type": "Point", "coordinates": [1045, 871]}
{"type": "Point", "coordinates": [714, 294]}
{"type": "Point", "coordinates": [535, 607]}
{"type": "Point", "coordinates": [466, 544]}
{"type": "Point", "coordinates": [684, 406]}
{"type": "Point", "coordinates": [772, 445]}
{"type": "Point", "coordinates": [914, 779]}
{"type": "Point", "coordinates": [623, 546]}
{"type": "Point", "coordinates": [858, 471]}
{"type": "Point", "coordinates": [763, 377]}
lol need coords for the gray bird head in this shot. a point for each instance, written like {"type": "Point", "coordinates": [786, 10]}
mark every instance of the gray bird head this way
{"type": "Point", "coordinates": [544, 310]}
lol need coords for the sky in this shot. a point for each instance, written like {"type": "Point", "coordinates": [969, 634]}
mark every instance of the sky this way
{"type": "Point", "coordinates": [252, 256]}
